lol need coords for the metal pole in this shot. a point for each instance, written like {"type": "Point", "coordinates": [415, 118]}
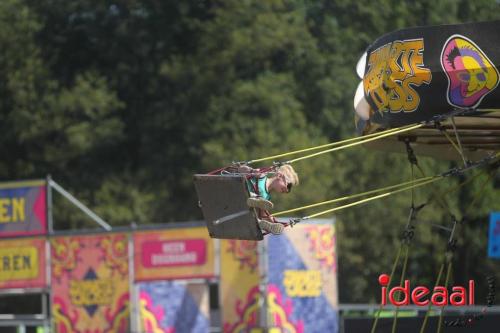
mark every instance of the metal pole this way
{"type": "Point", "coordinates": [46, 322]}
{"type": "Point", "coordinates": [134, 311]}
{"type": "Point", "coordinates": [216, 243]}
{"type": "Point", "coordinates": [47, 296]}
{"type": "Point", "coordinates": [50, 221]}
{"type": "Point", "coordinates": [263, 283]}
{"type": "Point", "coordinates": [220, 310]}
{"type": "Point", "coordinates": [47, 305]}
{"type": "Point", "coordinates": [78, 204]}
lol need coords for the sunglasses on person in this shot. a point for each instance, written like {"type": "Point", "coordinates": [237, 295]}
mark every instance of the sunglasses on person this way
{"type": "Point", "coordinates": [288, 184]}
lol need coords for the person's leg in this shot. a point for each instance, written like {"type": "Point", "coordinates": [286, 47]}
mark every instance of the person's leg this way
{"type": "Point", "coordinates": [275, 228]}
{"type": "Point", "coordinates": [259, 202]}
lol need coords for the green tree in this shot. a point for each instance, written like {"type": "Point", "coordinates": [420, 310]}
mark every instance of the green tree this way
{"type": "Point", "coordinates": [47, 127]}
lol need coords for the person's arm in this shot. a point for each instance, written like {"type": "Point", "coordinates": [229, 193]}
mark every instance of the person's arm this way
{"type": "Point", "coordinates": [246, 169]}
{"type": "Point", "coordinates": [242, 169]}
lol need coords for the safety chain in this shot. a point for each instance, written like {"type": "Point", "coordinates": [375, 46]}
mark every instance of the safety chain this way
{"type": "Point", "coordinates": [411, 154]}
{"type": "Point", "coordinates": [409, 231]}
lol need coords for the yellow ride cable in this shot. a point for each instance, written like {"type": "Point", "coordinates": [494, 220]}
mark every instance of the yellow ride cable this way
{"type": "Point", "coordinates": [440, 199]}
{"type": "Point", "coordinates": [401, 282]}
{"type": "Point", "coordinates": [458, 141]}
{"type": "Point", "coordinates": [424, 324]}
{"type": "Point", "coordinates": [456, 187]}
{"type": "Point", "coordinates": [352, 196]}
{"type": "Point", "coordinates": [332, 144]}
{"type": "Point", "coordinates": [457, 148]}
{"type": "Point", "coordinates": [426, 317]}
{"type": "Point", "coordinates": [393, 270]}
{"type": "Point", "coordinates": [439, 196]}
{"type": "Point", "coordinates": [481, 189]}
{"type": "Point", "coordinates": [433, 179]}
{"type": "Point", "coordinates": [356, 143]}
{"type": "Point", "coordinates": [448, 273]}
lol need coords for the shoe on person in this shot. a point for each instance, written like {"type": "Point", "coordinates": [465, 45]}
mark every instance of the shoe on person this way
{"type": "Point", "coordinates": [275, 228]}
{"type": "Point", "coordinates": [260, 203]}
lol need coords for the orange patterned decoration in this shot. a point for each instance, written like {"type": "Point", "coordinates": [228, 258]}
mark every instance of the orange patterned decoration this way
{"type": "Point", "coordinates": [116, 253]}
{"type": "Point", "coordinates": [64, 253]}
{"type": "Point", "coordinates": [279, 313]}
{"type": "Point", "coordinates": [245, 252]}
{"type": "Point", "coordinates": [322, 244]}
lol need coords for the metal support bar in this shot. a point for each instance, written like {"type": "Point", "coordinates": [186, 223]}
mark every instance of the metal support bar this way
{"type": "Point", "coordinates": [452, 232]}
{"type": "Point", "coordinates": [47, 308]}
{"type": "Point", "coordinates": [263, 284]}
{"type": "Point", "coordinates": [20, 322]}
{"type": "Point", "coordinates": [453, 113]}
{"type": "Point", "coordinates": [452, 242]}
{"type": "Point", "coordinates": [50, 221]}
{"type": "Point", "coordinates": [231, 216]}
{"type": "Point", "coordinates": [441, 227]}
{"type": "Point", "coordinates": [78, 204]}
{"type": "Point", "coordinates": [45, 312]}
{"type": "Point", "coordinates": [133, 294]}
{"type": "Point", "coordinates": [47, 296]}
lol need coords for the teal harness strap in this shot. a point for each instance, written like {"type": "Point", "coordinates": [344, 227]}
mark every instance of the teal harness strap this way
{"type": "Point", "coordinates": [258, 186]}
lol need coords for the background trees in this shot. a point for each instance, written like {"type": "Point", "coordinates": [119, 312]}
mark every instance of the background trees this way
{"type": "Point", "coordinates": [123, 101]}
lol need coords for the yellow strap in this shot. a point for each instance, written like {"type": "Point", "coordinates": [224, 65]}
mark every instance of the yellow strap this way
{"type": "Point", "coordinates": [439, 198]}
{"type": "Point", "coordinates": [426, 317]}
{"type": "Point", "coordinates": [401, 282]}
{"type": "Point", "coordinates": [424, 324]}
{"type": "Point", "coordinates": [433, 179]}
{"type": "Point", "coordinates": [417, 183]}
{"type": "Point", "coordinates": [453, 143]}
{"type": "Point", "coordinates": [440, 322]}
{"type": "Point", "coordinates": [400, 130]}
{"type": "Point", "coordinates": [352, 196]}
{"type": "Point", "coordinates": [441, 195]}
{"type": "Point", "coordinates": [477, 194]}
{"type": "Point", "coordinates": [393, 270]}
{"type": "Point", "coordinates": [337, 143]}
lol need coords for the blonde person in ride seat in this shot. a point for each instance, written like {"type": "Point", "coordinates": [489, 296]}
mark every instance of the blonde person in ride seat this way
{"type": "Point", "coordinates": [261, 186]}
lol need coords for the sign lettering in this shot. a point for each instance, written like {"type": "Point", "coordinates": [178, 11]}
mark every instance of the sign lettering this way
{"type": "Point", "coordinates": [91, 292]}
{"type": "Point", "coordinates": [12, 210]}
{"type": "Point", "coordinates": [394, 70]}
{"type": "Point", "coordinates": [18, 263]}
{"type": "Point", "coordinates": [300, 283]}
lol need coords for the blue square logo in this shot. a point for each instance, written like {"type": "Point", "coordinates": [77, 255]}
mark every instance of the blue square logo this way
{"type": "Point", "coordinates": [494, 236]}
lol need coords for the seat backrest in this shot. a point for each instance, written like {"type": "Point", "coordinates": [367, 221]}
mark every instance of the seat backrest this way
{"type": "Point", "coordinates": [223, 203]}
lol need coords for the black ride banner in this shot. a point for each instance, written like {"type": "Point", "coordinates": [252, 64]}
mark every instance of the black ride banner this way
{"type": "Point", "coordinates": [415, 74]}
